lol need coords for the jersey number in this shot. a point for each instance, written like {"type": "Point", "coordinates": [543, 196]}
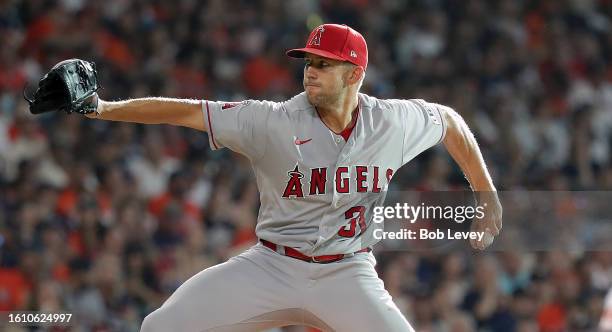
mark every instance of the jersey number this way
{"type": "Point", "coordinates": [356, 216]}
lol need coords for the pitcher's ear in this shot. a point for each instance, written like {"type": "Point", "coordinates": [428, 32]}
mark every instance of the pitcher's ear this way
{"type": "Point", "coordinates": [357, 73]}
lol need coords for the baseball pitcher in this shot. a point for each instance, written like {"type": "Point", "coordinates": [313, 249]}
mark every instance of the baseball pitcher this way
{"type": "Point", "coordinates": [322, 160]}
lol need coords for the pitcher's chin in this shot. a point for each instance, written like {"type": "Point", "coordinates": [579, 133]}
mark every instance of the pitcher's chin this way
{"type": "Point", "coordinates": [312, 93]}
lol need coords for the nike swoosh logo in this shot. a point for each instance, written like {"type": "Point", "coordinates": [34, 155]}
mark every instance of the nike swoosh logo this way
{"type": "Point", "coordinates": [300, 142]}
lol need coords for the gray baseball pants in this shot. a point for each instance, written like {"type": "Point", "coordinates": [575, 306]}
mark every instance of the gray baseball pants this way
{"type": "Point", "coordinates": [262, 289]}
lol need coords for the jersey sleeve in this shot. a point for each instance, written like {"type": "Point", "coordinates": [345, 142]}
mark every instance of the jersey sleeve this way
{"type": "Point", "coordinates": [241, 126]}
{"type": "Point", "coordinates": [424, 127]}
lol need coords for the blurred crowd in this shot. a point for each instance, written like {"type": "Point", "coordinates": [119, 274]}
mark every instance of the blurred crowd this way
{"type": "Point", "coordinates": [105, 220]}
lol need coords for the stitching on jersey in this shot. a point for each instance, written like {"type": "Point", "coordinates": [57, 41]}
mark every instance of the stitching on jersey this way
{"type": "Point", "coordinates": [404, 120]}
{"type": "Point", "coordinates": [443, 124]}
{"type": "Point", "coordinates": [212, 136]}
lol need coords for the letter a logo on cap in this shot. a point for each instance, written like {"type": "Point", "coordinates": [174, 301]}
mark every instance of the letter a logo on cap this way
{"type": "Point", "coordinates": [316, 38]}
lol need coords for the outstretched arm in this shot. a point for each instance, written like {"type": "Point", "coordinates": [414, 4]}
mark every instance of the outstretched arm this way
{"type": "Point", "coordinates": [153, 110]}
{"type": "Point", "coordinates": [462, 146]}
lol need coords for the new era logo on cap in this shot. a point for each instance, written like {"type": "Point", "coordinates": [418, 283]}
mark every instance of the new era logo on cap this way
{"type": "Point", "coordinates": [334, 41]}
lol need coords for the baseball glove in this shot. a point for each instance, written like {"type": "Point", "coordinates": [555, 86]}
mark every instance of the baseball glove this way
{"type": "Point", "coordinates": [70, 86]}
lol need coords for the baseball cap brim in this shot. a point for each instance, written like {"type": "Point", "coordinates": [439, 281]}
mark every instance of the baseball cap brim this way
{"type": "Point", "coordinates": [301, 52]}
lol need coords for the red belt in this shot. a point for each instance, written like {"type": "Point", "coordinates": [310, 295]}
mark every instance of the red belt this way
{"type": "Point", "coordinates": [293, 253]}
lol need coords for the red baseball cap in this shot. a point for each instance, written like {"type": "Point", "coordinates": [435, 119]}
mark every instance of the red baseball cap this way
{"type": "Point", "coordinates": [335, 41]}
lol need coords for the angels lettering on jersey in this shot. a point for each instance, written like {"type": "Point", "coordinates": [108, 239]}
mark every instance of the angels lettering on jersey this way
{"type": "Point", "coordinates": [366, 180]}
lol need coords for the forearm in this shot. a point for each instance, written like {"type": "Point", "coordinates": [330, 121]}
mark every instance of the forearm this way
{"type": "Point", "coordinates": [153, 110]}
{"type": "Point", "coordinates": [462, 146]}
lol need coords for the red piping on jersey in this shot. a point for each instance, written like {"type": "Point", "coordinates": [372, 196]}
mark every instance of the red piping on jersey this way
{"type": "Point", "coordinates": [346, 132]}
{"type": "Point", "coordinates": [212, 136]}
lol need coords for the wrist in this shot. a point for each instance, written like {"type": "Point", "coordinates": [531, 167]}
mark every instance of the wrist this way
{"type": "Point", "coordinates": [488, 197]}
{"type": "Point", "coordinates": [100, 107]}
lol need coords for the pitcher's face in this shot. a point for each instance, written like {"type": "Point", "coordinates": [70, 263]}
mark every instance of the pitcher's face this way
{"type": "Point", "coordinates": [325, 79]}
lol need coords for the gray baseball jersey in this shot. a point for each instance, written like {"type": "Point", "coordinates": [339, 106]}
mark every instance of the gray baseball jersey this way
{"type": "Point", "coordinates": [317, 190]}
